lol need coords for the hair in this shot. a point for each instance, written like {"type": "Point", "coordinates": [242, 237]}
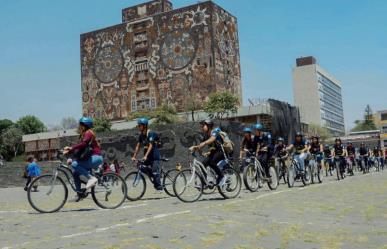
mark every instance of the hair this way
{"type": "Point", "coordinates": [115, 161]}
{"type": "Point", "coordinates": [30, 158]}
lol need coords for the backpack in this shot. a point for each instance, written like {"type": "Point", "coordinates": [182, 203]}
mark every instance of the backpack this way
{"type": "Point", "coordinates": [228, 145]}
{"type": "Point", "coordinates": [159, 144]}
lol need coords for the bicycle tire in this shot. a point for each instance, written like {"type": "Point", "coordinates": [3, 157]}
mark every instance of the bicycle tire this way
{"type": "Point", "coordinates": [198, 185]}
{"type": "Point", "coordinates": [320, 173]}
{"type": "Point", "coordinates": [227, 189]}
{"type": "Point", "coordinates": [273, 184]}
{"type": "Point", "coordinates": [338, 170]}
{"type": "Point", "coordinates": [306, 178]}
{"type": "Point", "coordinates": [291, 175]}
{"type": "Point", "coordinates": [121, 185]}
{"type": "Point", "coordinates": [36, 182]}
{"type": "Point", "coordinates": [168, 179]}
{"type": "Point", "coordinates": [130, 186]}
{"type": "Point", "coordinates": [250, 172]}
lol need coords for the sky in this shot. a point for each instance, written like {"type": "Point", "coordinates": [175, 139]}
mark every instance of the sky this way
{"type": "Point", "coordinates": [40, 50]}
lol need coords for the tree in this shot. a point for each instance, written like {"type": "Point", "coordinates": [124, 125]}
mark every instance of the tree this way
{"type": "Point", "coordinates": [315, 129]}
{"type": "Point", "coordinates": [368, 122]}
{"type": "Point", "coordinates": [68, 123]}
{"type": "Point", "coordinates": [11, 141]}
{"type": "Point", "coordinates": [102, 125]}
{"type": "Point", "coordinates": [30, 124]}
{"type": "Point", "coordinates": [5, 124]}
{"type": "Point", "coordinates": [221, 103]}
{"type": "Point", "coordinates": [191, 104]}
{"type": "Point", "coordinates": [166, 114]}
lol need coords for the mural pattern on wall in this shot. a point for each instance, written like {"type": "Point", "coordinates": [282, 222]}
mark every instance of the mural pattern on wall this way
{"type": "Point", "coordinates": [160, 59]}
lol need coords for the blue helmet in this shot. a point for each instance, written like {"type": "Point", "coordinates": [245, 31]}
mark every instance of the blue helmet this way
{"type": "Point", "coordinates": [247, 130]}
{"type": "Point", "coordinates": [143, 121]}
{"type": "Point", "coordinates": [86, 121]}
{"type": "Point", "coordinates": [258, 127]}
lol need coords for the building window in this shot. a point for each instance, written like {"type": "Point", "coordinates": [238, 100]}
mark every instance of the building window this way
{"type": "Point", "coordinates": [383, 116]}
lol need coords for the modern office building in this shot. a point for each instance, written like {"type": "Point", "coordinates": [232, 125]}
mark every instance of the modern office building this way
{"type": "Point", "coordinates": [157, 56]}
{"type": "Point", "coordinates": [317, 94]}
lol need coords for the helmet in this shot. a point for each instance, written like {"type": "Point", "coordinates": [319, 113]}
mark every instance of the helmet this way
{"type": "Point", "coordinates": [326, 146]}
{"type": "Point", "coordinates": [247, 130]}
{"type": "Point", "coordinates": [258, 127]}
{"type": "Point", "coordinates": [86, 121]}
{"type": "Point", "coordinates": [280, 139]}
{"type": "Point", "coordinates": [207, 121]}
{"type": "Point", "coordinates": [316, 137]}
{"type": "Point", "coordinates": [143, 121]}
{"type": "Point", "coordinates": [299, 134]}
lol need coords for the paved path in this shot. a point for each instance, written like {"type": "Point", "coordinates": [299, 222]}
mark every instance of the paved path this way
{"type": "Point", "coordinates": [346, 214]}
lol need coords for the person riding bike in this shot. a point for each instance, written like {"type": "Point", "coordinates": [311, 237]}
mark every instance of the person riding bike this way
{"type": "Point", "coordinates": [214, 141]}
{"type": "Point", "coordinates": [83, 164]}
{"type": "Point", "coordinates": [316, 148]}
{"type": "Point", "coordinates": [301, 150]}
{"type": "Point", "coordinates": [351, 151]}
{"type": "Point", "coordinates": [364, 155]}
{"type": "Point", "coordinates": [263, 146]}
{"type": "Point", "coordinates": [280, 153]}
{"type": "Point", "coordinates": [328, 159]}
{"type": "Point", "coordinates": [376, 154]}
{"type": "Point", "coordinates": [247, 146]}
{"type": "Point", "coordinates": [340, 153]}
{"type": "Point", "coordinates": [148, 140]}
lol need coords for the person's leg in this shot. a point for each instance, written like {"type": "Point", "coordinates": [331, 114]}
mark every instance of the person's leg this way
{"type": "Point", "coordinates": [29, 179]}
{"type": "Point", "coordinates": [76, 175]}
{"type": "Point", "coordinates": [84, 167]}
{"type": "Point", "coordinates": [263, 159]}
{"type": "Point", "coordinates": [214, 158]}
{"type": "Point", "coordinates": [302, 158]}
{"type": "Point", "coordinates": [156, 175]}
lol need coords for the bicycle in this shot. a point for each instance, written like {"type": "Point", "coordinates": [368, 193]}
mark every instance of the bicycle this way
{"type": "Point", "coordinates": [316, 169]}
{"type": "Point", "coordinates": [294, 173]}
{"type": "Point", "coordinates": [281, 167]}
{"type": "Point", "coordinates": [340, 167]}
{"type": "Point", "coordinates": [189, 184]}
{"type": "Point", "coordinates": [328, 165]}
{"type": "Point", "coordinates": [254, 173]}
{"type": "Point", "coordinates": [51, 192]}
{"type": "Point", "coordinates": [136, 182]}
{"type": "Point", "coordinates": [376, 163]}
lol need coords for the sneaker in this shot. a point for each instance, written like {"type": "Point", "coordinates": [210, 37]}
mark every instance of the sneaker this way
{"type": "Point", "coordinates": [25, 188]}
{"type": "Point", "coordinates": [91, 182]}
{"type": "Point", "coordinates": [77, 198]}
{"type": "Point", "coordinates": [222, 181]}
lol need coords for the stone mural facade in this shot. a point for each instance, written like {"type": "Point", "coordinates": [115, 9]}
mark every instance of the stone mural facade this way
{"type": "Point", "coordinates": [159, 56]}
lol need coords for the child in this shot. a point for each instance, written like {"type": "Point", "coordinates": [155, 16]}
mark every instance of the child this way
{"type": "Point", "coordinates": [32, 171]}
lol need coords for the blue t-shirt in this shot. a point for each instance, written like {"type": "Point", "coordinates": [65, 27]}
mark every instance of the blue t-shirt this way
{"type": "Point", "coordinates": [33, 170]}
{"type": "Point", "coordinates": [145, 141]}
{"type": "Point", "coordinates": [263, 141]}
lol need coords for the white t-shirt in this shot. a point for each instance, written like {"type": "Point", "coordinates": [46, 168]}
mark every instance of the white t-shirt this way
{"type": "Point", "coordinates": [112, 167]}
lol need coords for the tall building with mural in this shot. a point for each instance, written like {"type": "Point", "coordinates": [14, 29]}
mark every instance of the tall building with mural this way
{"type": "Point", "coordinates": [157, 56]}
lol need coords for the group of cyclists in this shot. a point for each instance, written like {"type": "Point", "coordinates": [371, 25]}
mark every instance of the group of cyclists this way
{"type": "Point", "coordinates": [255, 142]}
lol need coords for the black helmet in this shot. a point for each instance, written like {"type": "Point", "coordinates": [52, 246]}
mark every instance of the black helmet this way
{"type": "Point", "coordinates": [207, 121]}
{"type": "Point", "coordinates": [299, 134]}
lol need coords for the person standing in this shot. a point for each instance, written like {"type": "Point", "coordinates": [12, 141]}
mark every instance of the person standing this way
{"type": "Point", "coordinates": [32, 171]}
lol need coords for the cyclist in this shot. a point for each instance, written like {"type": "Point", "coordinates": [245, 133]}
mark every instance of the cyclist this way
{"type": "Point", "coordinates": [247, 146]}
{"type": "Point", "coordinates": [376, 154]}
{"type": "Point", "coordinates": [301, 150]}
{"type": "Point", "coordinates": [148, 140]}
{"type": "Point", "coordinates": [340, 153]}
{"type": "Point", "coordinates": [316, 148]}
{"type": "Point", "coordinates": [281, 154]}
{"type": "Point", "coordinates": [214, 141]}
{"type": "Point", "coordinates": [82, 166]}
{"type": "Point", "coordinates": [351, 156]}
{"type": "Point", "coordinates": [364, 154]}
{"type": "Point", "coordinates": [263, 146]}
{"type": "Point", "coordinates": [328, 159]}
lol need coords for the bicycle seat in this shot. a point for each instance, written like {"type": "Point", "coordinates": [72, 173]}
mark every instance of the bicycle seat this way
{"type": "Point", "coordinates": [164, 159]}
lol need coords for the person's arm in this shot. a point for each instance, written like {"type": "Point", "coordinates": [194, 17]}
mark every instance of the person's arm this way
{"type": "Point", "coordinates": [136, 151]}
{"type": "Point", "coordinates": [242, 149]}
{"type": "Point", "coordinates": [148, 151]}
{"type": "Point", "coordinates": [290, 147]}
{"type": "Point", "coordinates": [333, 152]}
{"type": "Point", "coordinates": [81, 145]}
{"type": "Point", "coordinates": [207, 142]}
{"type": "Point", "coordinates": [305, 149]}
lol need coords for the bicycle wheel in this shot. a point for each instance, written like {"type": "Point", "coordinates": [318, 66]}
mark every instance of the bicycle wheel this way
{"type": "Point", "coordinates": [320, 173]}
{"type": "Point", "coordinates": [136, 186]}
{"type": "Point", "coordinates": [188, 186]}
{"type": "Point", "coordinates": [313, 173]}
{"type": "Point", "coordinates": [338, 174]}
{"type": "Point", "coordinates": [233, 185]}
{"type": "Point", "coordinates": [273, 182]}
{"type": "Point", "coordinates": [168, 179]}
{"type": "Point", "coordinates": [110, 191]}
{"type": "Point", "coordinates": [208, 190]}
{"type": "Point", "coordinates": [307, 177]}
{"type": "Point", "coordinates": [47, 193]}
{"type": "Point", "coordinates": [251, 178]}
{"type": "Point", "coordinates": [291, 175]}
